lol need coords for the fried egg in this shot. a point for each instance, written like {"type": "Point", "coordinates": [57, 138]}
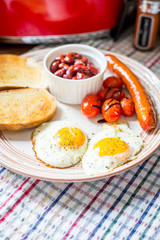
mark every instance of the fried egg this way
{"type": "Point", "coordinates": [111, 148]}
{"type": "Point", "coordinates": [59, 144]}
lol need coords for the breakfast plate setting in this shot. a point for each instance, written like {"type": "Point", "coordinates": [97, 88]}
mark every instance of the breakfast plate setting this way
{"type": "Point", "coordinates": [78, 158]}
{"type": "Point", "coordinates": [31, 150]}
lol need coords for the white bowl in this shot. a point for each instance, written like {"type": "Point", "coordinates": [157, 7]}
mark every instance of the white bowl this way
{"type": "Point", "coordinates": [73, 91]}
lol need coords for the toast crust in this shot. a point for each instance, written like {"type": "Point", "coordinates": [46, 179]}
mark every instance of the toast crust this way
{"type": "Point", "coordinates": [25, 108]}
{"type": "Point", "coordinates": [19, 72]}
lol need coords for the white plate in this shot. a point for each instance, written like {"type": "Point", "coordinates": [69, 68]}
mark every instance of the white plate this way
{"type": "Point", "coordinates": [16, 151]}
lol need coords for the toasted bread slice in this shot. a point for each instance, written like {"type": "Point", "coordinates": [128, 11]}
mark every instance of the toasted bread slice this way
{"type": "Point", "coordinates": [18, 72]}
{"type": "Point", "coordinates": [25, 108]}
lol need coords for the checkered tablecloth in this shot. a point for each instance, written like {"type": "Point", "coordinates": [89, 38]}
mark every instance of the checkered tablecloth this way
{"type": "Point", "coordinates": [123, 207]}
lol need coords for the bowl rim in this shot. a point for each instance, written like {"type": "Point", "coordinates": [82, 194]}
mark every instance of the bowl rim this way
{"type": "Point", "coordinates": [74, 45]}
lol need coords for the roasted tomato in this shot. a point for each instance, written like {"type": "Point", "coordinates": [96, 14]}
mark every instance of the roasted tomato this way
{"type": "Point", "coordinates": [127, 106]}
{"type": "Point", "coordinates": [91, 105]}
{"type": "Point", "coordinates": [111, 110]}
{"type": "Point", "coordinates": [115, 82]}
{"type": "Point", "coordinates": [107, 93]}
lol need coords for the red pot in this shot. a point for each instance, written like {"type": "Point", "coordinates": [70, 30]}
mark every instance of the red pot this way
{"type": "Point", "coordinates": [57, 17]}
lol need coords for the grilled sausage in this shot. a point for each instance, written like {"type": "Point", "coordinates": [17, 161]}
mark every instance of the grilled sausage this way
{"type": "Point", "coordinates": [143, 107]}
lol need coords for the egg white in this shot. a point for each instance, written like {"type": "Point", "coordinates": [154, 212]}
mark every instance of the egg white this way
{"type": "Point", "coordinates": [47, 148]}
{"type": "Point", "coordinates": [93, 164]}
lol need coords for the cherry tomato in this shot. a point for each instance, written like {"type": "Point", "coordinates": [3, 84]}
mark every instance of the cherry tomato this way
{"type": "Point", "coordinates": [113, 81]}
{"type": "Point", "coordinates": [118, 94]}
{"type": "Point", "coordinates": [127, 106]}
{"type": "Point", "coordinates": [111, 110]}
{"type": "Point", "coordinates": [91, 105]}
{"type": "Point", "coordinates": [115, 93]}
{"type": "Point", "coordinates": [101, 94]}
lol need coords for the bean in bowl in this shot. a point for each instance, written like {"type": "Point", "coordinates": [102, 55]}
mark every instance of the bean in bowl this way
{"type": "Point", "coordinates": [73, 66]}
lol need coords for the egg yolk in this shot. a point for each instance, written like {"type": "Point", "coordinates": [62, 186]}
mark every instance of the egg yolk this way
{"type": "Point", "coordinates": [71, 137]}
{"type": "Point", "coordinates": [111, 146]}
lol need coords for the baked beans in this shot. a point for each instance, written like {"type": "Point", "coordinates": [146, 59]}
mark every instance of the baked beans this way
{"type": "Point", "coordinates": [73, 66]}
